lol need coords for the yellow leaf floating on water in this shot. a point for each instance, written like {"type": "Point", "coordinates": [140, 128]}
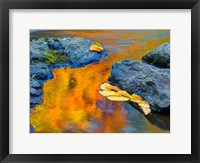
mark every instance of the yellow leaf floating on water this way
{"type": "Point", "coordinates": [96, 47]}
{"type": "Point", "coordinates": [145, 107]}
{"type": "Point", "coordinates": [98, 44]}
{"type": "Point", "coordinates": [118, 98]}
{"type": "Point", "coordinates": [124, 93]}
{"type": "Point", "coordinates": [108, 93]}
{"type": "Point", "coordinates": [108, 87]}
{"type": "Point", "coordinates": [136, 98]}
{"type": "Point", "coordinates": [113, 93]}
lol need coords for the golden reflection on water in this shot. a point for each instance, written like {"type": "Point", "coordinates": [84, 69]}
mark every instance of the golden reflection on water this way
{"type": "Point", "coordinates": [70, 98]}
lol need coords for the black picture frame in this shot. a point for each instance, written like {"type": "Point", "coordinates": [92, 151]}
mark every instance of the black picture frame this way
{"type": "Point", "coordinates": [5, 5]}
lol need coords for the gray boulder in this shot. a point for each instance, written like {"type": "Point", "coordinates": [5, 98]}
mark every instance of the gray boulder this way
{"type": "Point", "coordinates": [159, 57]}
{"type": "Point", "coordinates": [150, 82]}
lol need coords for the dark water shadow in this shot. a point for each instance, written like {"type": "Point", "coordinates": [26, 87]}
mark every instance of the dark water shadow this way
{"type": "Point", "coordinates": [158, 119]}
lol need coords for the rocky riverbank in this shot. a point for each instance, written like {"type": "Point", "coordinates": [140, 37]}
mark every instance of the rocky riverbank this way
{"type": "Point", "coordinates": [49, 53]}
{"type": "Point", "coordinates": [149, 78]}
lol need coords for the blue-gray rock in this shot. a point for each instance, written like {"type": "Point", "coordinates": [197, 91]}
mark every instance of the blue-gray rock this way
{"type": "Point", "coordinates": [77, 50]}
{"type": "Point", "coordinates": [37, 47]}
{"type": "Point", "coordinates": [159, 57]}
{"type": "Point", "coordinates": [40, 71]}
{"type": "Point", "coordinates": [33, 91]}
{"type": "Point", "coordinates": [39, 92]}
{"type": "Point", "coordinates": [34, 83]}
{"type": "Point", "coordinates": [54, 44]}
{"type": "Point", "coordinates": [32, 129]}
{"type": "Point", "coordinates": [79, 53]}
{"type": "Point", "coordinates": [150, 82]}
{"type": "Point", "coordinates": [34, 101]}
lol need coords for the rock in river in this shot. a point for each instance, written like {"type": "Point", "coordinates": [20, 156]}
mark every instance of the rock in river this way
{"type": "Point", "coordinates": [150, 82]}
{"type": "Point", "coordinates": [77, 50]}
{"type": "Point", "coordinates": [159, 57]}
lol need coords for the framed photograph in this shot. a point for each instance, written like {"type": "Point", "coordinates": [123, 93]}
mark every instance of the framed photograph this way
{"type": "Point", "coordinates": [99, 81]}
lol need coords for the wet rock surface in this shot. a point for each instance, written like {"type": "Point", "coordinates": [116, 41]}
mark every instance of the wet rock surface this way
{"type": "Point", "coordinates": [150, 82]}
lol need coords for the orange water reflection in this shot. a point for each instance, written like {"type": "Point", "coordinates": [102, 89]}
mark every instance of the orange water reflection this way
{"type": "Point", "coordinates": [71, 97]}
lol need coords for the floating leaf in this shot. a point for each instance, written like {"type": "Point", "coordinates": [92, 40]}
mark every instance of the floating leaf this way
{"type": "Point", "coordinates": [144, 105]}
{"type": "Point", "coordinates": [108, 93]}
{"type": "Point", "coordinates": [124, 93]}
{"type": "Point", "coordinates": [96, 48]}
{"type": "Point", "coordinates": [105, 86]}
{"type": "Point", "coordinates": [108, 87]}
{"type": "Point", "coordinates": [113, 93]}
{"type": "Point", "coordinates": [118, 98]}
{"type": "Point", "coordinates": [136, 98]}
{"type": "Point", "coordinates": [98, 44]}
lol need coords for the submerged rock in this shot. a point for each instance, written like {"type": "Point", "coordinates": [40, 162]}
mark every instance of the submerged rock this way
{"type": "Point", "coordinates": [150, 82]}
{"type": "Point", "coordinates": [159, 57]}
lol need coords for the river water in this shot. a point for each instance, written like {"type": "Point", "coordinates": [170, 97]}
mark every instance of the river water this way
{"type": "Point", "coordinates": [71, 102]}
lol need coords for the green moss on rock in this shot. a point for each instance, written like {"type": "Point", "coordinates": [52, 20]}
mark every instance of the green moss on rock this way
{"type": "Point", "coordinates": [53, 56]}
